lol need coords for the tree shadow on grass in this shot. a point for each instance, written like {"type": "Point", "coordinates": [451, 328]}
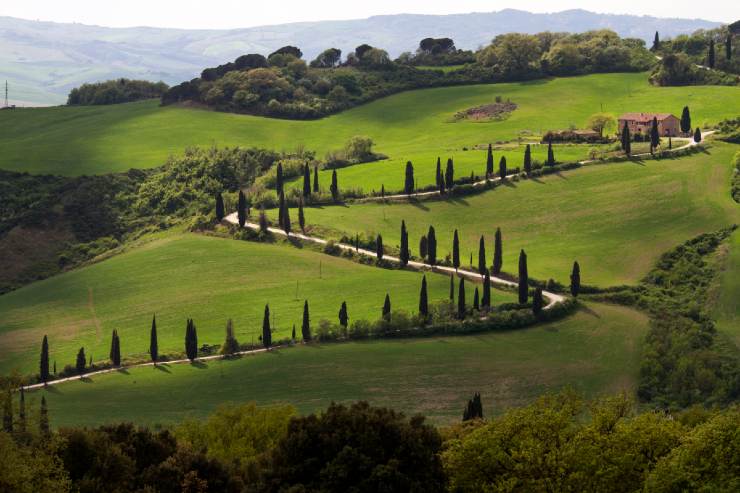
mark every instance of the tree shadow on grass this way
{"type": "Point", "coordinates": [163, 368]}
{"type": "Point", "coordinates": [537, 179]}
{"type": "Point", "coordinates": [52, 389]}
{"type": "Point", "coordinates": [419, 205]}
{"type": "Point", "coordinates": [199, 365]}
{"type": "Point", "coordinates": [123, 371]}
{"type": "Point", "coordinates": [508, 183]}
{"type": "Point", "coordinates": [586, 309]}
{"type": "Point", "coordinates": [459, 201]}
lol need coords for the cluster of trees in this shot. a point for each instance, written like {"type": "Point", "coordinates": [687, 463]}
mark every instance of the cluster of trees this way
{"type": "Point", "coordinates": [115, 91]}
{"type": "Point", "coordinates": [436, 52]}
{"type": "Point", "coordinates": [560, 443]}
{"type": "Point", "coordinates": [712, 48]}
{"type": "Point", "coordinates": [678, 69]}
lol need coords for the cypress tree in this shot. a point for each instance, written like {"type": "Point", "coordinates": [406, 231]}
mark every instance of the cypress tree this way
{"type": "Point", "coordinates": [502, 168]}
{"type": "Point", "coordinates": [654, 135]}
{"type": "Point", "coordinates": [455, 251]}
{"type": "Point", "coordinates": [670, 143]}
{"type": "Point", "coordinates": [343, 315]}
{"type": "Point", "coordinates": [382, 190]}
{"type": "Point", "coordinates": [286, 219]}
{"type": "Point", "coordinates": [334, 188]}
{"type": "Point", "coordinates": [423, 298]}
{"type": "Point", "coordinates": [241, 210]}
{"type": "Point", "coordinates": [266, 331]}
{"type": "Point", "coordinates": [575, 280]}
{"type": "Point", "coordinates": [379, 247]}
{"type": "Point", "coordinates": [528, 160]}
{"type": "Point", "coordinates": [486, 298]}
{"type": "Point", "coordinates": [442, 188]}
{"type": "Point", "coordinates": [482, 256]}
{"type": "Point", "coordinates": [685, 120]}
{"type": "Point", "coordinates": [523, 278]}
{"type": "Point", "coordinates": [461, 300]}
{"type": "Point", "coordinates": [301, 217]}
{"type": "Point", "coordinates": [306, 325]}
{"type": "Point", "coordinates": [8, 413]}
{"type": "Point", "coordinates": [231, 345]}
{"type": "Point", "coordinates": [710, 56]}
{"type": "Point", "coordinates": [279, 179]}
{"type": "Point", "coordinates": [263, 221]}
{"type": "Point", "coordinates": [432, 246]}
{"type": "Point", "coordinates": [22, 412]}
{"type": "Point", "coordinates": [115, 349]}
{"type": "Point", "coordinates": [450, 174]}
{"type": "Point", "coordinates": [281, 209]}
{"type": "Point", "coordinates": [537, 301]}
{"type": "Point", "coordinates": [306, 180]}
{"type": "Point", "coordinates": [452, 288]}
{"type": "Point", "coordinates": [728, 47]}
{"type": "Point", "coordinates": [476, 304]}
{"type": "Point", "coordinates": [472, 176]}
{"type": "Point", "coordinates": [44, 427]}
{"type": "Point", "coordinates": [626, 140]}
{"type": "Point", "coordinates": [387, 308]}
{"type": "Point", "coordinates": [44, 364]}
{"type": "Point", "coordinates": [550, 154]}
{"type": "Point", "coordinates": [489, 162]}
{"type": "Point", "coordinates": [403, 256]}
{"type": "Point", "coordinates": [315, 179]}
{"type": "Point", "coordinates": [219, 207]}
{"type": "Point", "coordinates": [498, 253]}
{"type": "Point", "coordinates": [423, 243]}
{"type": "Point", "coordinates": [438, 175]}
{"type": "Point", "coordinates": [697, 135]}
{"type": "Point", "coordinates": [292, 337]}
{"type": "Point", "coordinates": [81, 361]}
{"type": "Point", "coordinates": [191, 340]}
{"type": "Point", "coordinates": [408, 187]}
{"type": "Point", "coordinates": [656, 42]}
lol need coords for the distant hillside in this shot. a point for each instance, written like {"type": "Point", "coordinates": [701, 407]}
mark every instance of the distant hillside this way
{"type": "Point", "coordinates": [44, 60]}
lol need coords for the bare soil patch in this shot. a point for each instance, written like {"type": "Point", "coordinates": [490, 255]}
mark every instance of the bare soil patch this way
{"type": "Point", "coordinates": [497, 111]}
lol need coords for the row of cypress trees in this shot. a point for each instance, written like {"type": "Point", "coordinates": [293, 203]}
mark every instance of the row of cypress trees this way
{"type": "Point", "coordinates": [9, 423]}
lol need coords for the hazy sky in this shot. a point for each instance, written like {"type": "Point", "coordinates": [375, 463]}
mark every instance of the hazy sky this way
{"type": "Point", "coordinates": [246, 13]}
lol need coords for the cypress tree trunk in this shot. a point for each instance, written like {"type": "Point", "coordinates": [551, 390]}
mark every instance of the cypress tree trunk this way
{"type": "Point", "coordinates": [306, 181]}
{"type": "Point", "coordinates": [387, 308]}
{"type": "Point", "coordinates": [455, 251]}
{"type": "Point", "coordinates": [315, 179]}
{"type": "Point", "coordinates": [44, 364]}
{"type": "Point", "coordinates": [502, 168]}
{"type": "Point", "coordinates": [334, 187]}
{"type": "Point", "coordinates": [528, 160]}
{"type": "Point", "coordinates": [489, 162]}
{"type": "Point", "coordinates": [482, 256]}
{"type": "Point", "coordinates": [537, 301]}
{"type": "Point", "coordinates": [408, 187]}
{"type": "Point", "coordinates": [403, 256]}
{"type": "Point", "coordinates": [461, 300]}
{"type": "Point", "coordinates": [241, 210]}
{"type": "Point", "coordinates": [452, 288]}
{"type": "Point", "coordinates": [153, 346]}
{"type": "Point", "coordinates": [476, 305]}
{"type": "Point", "coordinates": [575, 280]}
{"type": "Point", "coordinates": [486, 298]}
{"type": "Point", "coordinates": [550, 154]}
{"type": "Point", "coordinates": [423, 298]}
{"type": "Point", "coordinates": [379, 247]}
{"type": "Point", "coordinates": [219, 207]}
{"type": "Point", "coordinates": [498, 253]}
{"type": "Point", "coordinates": [306, 325]}
{"type": "Point", "coordinates": [432, 246]}
{"type": "Point", "coordinates": [523, 278]}
{"type": "Point", "coordinates": [301, 217]}
{"type": "Point", "coordinates": [266, 331]}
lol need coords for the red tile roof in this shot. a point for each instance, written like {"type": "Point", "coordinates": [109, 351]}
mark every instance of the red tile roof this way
{"type": "Point", "coordinates": [645, 117]}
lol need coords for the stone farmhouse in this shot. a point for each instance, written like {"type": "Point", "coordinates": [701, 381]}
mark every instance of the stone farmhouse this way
{"type": "Point", "coordinates": [668, 124]}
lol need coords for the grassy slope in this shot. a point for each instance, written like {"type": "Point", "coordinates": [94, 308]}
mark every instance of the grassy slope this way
{"type": "Point", "coordinates": [595, 351]}
{"type": "Point", "coordinates": [208, 279]}
{"type": "Point", "coordinates": [726, 309]}
{"type": "Point", "coordinates": [412, 125]}
{"type": "Point", "coordinates": [614, 219]}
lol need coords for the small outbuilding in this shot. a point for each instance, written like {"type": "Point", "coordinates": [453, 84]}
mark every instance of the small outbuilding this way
{"type": "Point", "coordinates": [668, 124]}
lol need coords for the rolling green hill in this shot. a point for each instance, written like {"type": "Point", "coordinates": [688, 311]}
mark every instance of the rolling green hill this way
{"type": "Point", "coordinates": [726, 308]}
{"type": "Point", "coordinates": [596, 351]}
{"type": "Point", "coordinates": [615, 219]}
{"type": "Point", "coordinates": [208, 279]}
{"type": "Point", "coordinates": [413, 125]}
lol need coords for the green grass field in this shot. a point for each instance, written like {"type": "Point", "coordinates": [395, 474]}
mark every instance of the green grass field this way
{"type": "Point", "coordinates": [615, 219]}
{"type": "Point", "coordinates": [412, 125]}
{"type": "Point", "coordinates": [726, 308]}
{"type": "Point", "coordinates": [205, 278]}
{"type": "Point", "coordinates": [595, 351]}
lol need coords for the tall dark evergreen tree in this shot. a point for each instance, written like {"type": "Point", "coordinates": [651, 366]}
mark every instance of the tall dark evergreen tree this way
{"type": "Point", "coordinates": [656, 42]}
{"type": "Point", "coordinates": [379, 247]}
{"type": "Point", "coordinates": [306, 324]}
{"type": "Point", "coordinates": [423, 244]}
{"type": "Point", "coordinates": [423, 298]}
{"type": "Point", "coordinates": [575, 280]}
{"type": "Point", "coordinates": [382, 190]}
{"type": "Point", "coordinates": [482, 256]}
{"type": "Point", "coordinates": [343, 315]}
{"type": "Point", "coordinates": [523, 278]}
{"type": "Point", "coordinates": [292, 337]}
{"type": "Point", "coordinates": [306, 180]}
{"type": "Point", "coordinates": [153, 344]}
{"type": "Point", "coordinates": [710, 55]}
{"type": "Point", "coordinates": [220, 212]}
{"type": "Point", "coordinates": [264, 224]}
{"type": "Point", "coordinates": [528, 160]}
{"type": "Point", "coordinates": [387, 308]}
{"type": "Point", "coordinates": [728, 47]}
{"type": "Point", "coordinates": [498, 253]}
{"type": "Point", "coordinates": [408, 186]}
{"type": "Point", "coordinates": [431, 246]}
{"type": "Point", "coordinates": [439, 179]}
{"type": "Point", "coordinates": [301, 217]}
{"type": "Point", "coordinates": [685, 120]}
{"type": "Point", "coordinates": [44, 364]}
{"type": "Point", "coordinates": [697, 135]}
{"type": "Point", "coordinates": [286, 219]}
{"type": "Point", "coordinates": [452, 288]}
{"type": "Point", "coordinates": [81, 361]}
{"type": "Point", "coordinates": [315, 179]}
{"type": "Point", "coordinates": [476, 302]}
{"type": "Point", "coordinates": [537, 301]}
{"type": "Point", "coordinates": [22, 411]}
{"type": "Point", "coordinates": [334, 188]}
{"type": "Point", "coordinates": [486, 298]}
{"type": "Point", "coordinates": [455, 251]}
{"type": "Point", "coordinates": [115, 349]}
{"type": "Point", "coordinates": [241, 210]}
{"type": "Point", "coordinates": [8, 413]}
{"type": "Point", "coordinates": [44, 427]}
{"type": "Point", "coordinates": [191, 340]}
{"type": "Point", "coordinates": [626, 140]}
{"type": "Point", "coordinates": [403, 256]}
{"type": "Point", "coordinates": [489, 162]}
{"type": "Point", "coordinates": [461, 309]}
{"type": "Point", "coordinates": [502, 168]}
{"type": "Point", "coordinates": [474, 409]}
{"type": "Point", "coordinates": [550, 154]}
{"type": "Point", "coordinates": [654, 135]}
{"type": "Point", "coordinates": [670, 143]}
{"type": "Point", "coordinates": [230, 345]}
{"type": "Point", "coordinates": [450, 174]}
{"type": "Point", "coordinates": [266, 330]}
{"type": "Point", "coordinates": [279, 179]}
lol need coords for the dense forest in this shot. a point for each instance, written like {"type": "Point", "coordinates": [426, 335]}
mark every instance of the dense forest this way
{"type": "Point", "coordinates": [284, 85]}
{"type": "Point", "coordinates": [115, 91]}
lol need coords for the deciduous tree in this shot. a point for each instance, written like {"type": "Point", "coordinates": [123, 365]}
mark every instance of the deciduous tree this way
{"type": "Point", "coordinates": [523, 278]}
